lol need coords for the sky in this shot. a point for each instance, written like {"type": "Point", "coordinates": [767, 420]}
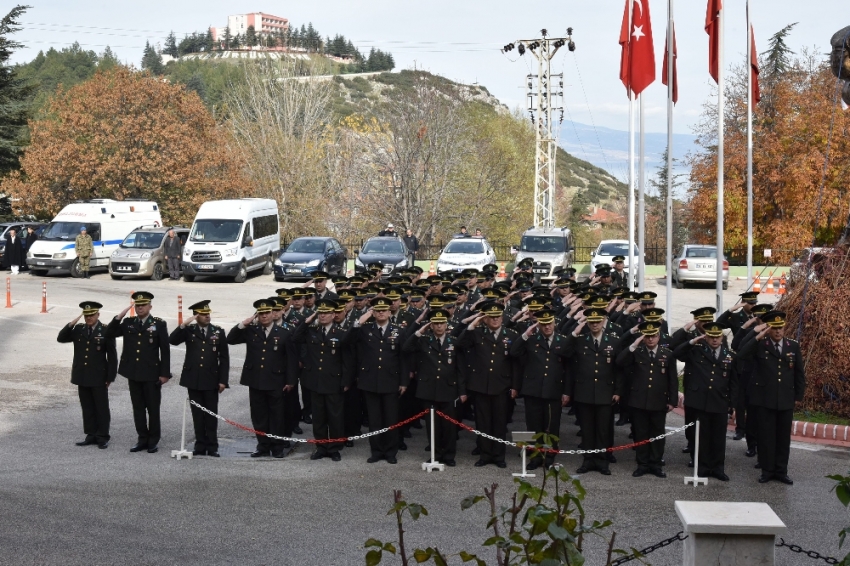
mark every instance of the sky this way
{"type": "Point", "coordinates": [462, 39]}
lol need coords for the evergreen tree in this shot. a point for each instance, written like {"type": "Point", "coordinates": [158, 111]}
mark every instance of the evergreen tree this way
{"type": "Point", "coordinates": [170, 45]}
{"type": "Point", "coordinates": [15, 95]}
{"type": "Point", "coordinates": [107, 60]}
{"type": "Point", "coordinates": [227, 38]}
{"type": "Point", "coordinates": [151, 60]}
{"type": "Point", "coordinates": [236, 42]}
{"type": "Point", "coordinates": [778, 54]}
{"type": "Point", "coordinates": [196, 83]}
{"type": "Point", "coordinates": [208, 41]}
{"type": "Point", "coordinates": [251, 37]}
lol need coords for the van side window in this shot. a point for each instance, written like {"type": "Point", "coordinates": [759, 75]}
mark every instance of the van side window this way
{"type": "Point", "coordinates": [265, 226]}
{"type": "Point", "coordinates": [93, 230]}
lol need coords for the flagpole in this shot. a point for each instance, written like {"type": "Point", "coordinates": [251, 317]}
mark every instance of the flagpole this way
{"type": "Point", "coordinates": [668, 307]}
{"type": "Point", "coordinates": [720, 102]}
{"type": "Point", "coordinates": [749, 149]}
{"type": "Point", "coordinates": [631, 164]}
{"type": "Point", "coordinates": [641, 200]}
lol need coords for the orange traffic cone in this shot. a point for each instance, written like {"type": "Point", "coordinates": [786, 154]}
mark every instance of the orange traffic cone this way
{"type": "Point", "coordinates": [757, 285]}
{"type": "Point", "coordinates": [769, 287]}
{"type": "Point", "coordinates": [433, 270]}
{"type": "Point", "coordinates": [782, 284]}
{"type": "Point", "coordinates": [502, 273]}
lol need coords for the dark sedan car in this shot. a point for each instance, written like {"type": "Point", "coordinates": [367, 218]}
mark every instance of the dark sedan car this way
{"type": "Point", "coordinates": [387, 250]}
{"type": "Point", "coordinates": [305, 256]}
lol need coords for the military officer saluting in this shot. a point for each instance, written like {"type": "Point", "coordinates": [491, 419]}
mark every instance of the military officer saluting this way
{"type": "Point", "coordinates": [94, 368]}
{"type": "Point", "coordinates": [710, 388]}
{"type": "Point", "coordinates": [653, 391]}
{"type": "Point", "coordinates": [146, 363]}
{"type": "Point", "coordinates": [778, 383]}
{"type": "Point", "coordinates": [205, 373]}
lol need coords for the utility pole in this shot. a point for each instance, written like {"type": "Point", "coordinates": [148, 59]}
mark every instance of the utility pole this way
{"type": "Point", "coordinates": [543, 99]}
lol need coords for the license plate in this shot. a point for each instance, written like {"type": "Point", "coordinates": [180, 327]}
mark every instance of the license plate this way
{"type": "Point", "coordinates": [705, 266]}
{"type": "Point", "coordinates": [293, 271]}
{"type": "Point", "coordinates": [39, 263]}
{"type": "Point", "coordinates": [544, 271]}
{"type": "Point", "coordinates": [124, 268]}
{"type": "Point", "coordinates": [205, 266]}
{"type": "Point", "coordinates": [387, 269]}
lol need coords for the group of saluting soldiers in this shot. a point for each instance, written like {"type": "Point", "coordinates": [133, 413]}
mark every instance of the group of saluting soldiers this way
{"type": "Point", "coordinates": [365, 349]}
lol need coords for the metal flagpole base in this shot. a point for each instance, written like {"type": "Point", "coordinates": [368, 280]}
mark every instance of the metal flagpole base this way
{"type": "Point", "coordinates": [433, 464]}
{"type": "Point", "coordinates": [695, 479]}
{"type": "Point", "coordinates": [523, 437]}
{"type": "Point", "coordinates": [183, 453]}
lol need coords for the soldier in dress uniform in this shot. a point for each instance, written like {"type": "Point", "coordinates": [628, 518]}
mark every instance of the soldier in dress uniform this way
{"type": "Point", "coordinates": [494, 378]}
{"type": "Point", "coordinates": [778, 384]}
{"type": "Point", "coordinates": [94, 368]}
{"type": "Point", "coordinates": [653, 387]}
{"type": "Point", "coordinates": [710, 389]}
{"type": "Point", "coordinates": [398, 316]}
{"type": "Point", "coordinates": [619, 277]}
{"type": "Point", "coordinates": [324, 375]}
{"type": "Point", "coordinates": [735, 317]}
{"type": "Point", "coordinates": [541, 351]}
{"type": "Point", "coordinates": [379, 376]}
{"type": "Point", "coordinates": [594, 385]}
{"type": "Point", "coordinates": [320, 282]}
{"type": "Point", "coordinates": [206, 372]}
{"type": "Point", "coordinates": [294, 413]}
{"type": "Point", "coordinates": [269, 371]}
{"type": "Point", "coordinates": [147, 368]}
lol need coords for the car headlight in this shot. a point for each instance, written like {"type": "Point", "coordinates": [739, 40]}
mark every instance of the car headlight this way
{"type": "Point", "coordinates": [60, 255]}
{"type": "Point", "coordinates": [115, 253]}
{"type": "Point", "coordinates": [146, 255]}
{"type": "Point", "coordinates": [314, 263]}
{"type": "Point", "coordinates": [230, 252]}
{"type": "Point", "coordinates": [402, 263]}
{"type": "Point", "coordinates": [187, 252]}
{"type": "Point", "coordinates": [358, 262]}
{"type": "Point", "coordinates": [278, 262]}
{"type": "Point", "coordinates": [29, 254]}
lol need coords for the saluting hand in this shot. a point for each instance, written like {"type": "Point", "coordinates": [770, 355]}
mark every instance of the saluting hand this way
{"type": "Point", "coordinates": [531, 330]}
{"type": "Point", "coordinates": [750, 322]}
{"type": "Point", "coordinates": [250, 319]}
{"type": "Point", "coordinates": [189, 321]}
{"type": "Point", "coordinates": [637, 342]}
{"type": "Point", "coordinates": [123, 313]}
{"type": "Point", "coordinates": [425, 327]}
{"type": "Point", "coordinates": [579, 328]}
{"type": "Point", "coordinates": [75, 321]}
{"type": "Point", "coordinates": [689, 325]}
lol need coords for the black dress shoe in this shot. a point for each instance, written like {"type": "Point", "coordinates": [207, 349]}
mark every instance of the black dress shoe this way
{"type": "Point", "coordinates": [622, 422]}
{"type": "Point", "coordinates": [764, 478]}
{"type": "Point", "coordinates": [260, 453]}
{"type": "Point", "coordinates": [349, 444]}
{"type": "Point", "coordinates": [757, 466]}
{"type": "Point", "coordinates": [139, 447]}
{"type": "Point", "coordinates": [658, 472]}
{"type": "Point", "coordinates": [406, 434]}
{"type": "Point", "coordinates": [450, 463]}
{"type": "Point", "coordinates": [307, 420]}
{"type": "Point", "coordinates": [153, 449]}
{"type": "Point", "coordinates": [278, 454]}
{"type": "Point", "coordinates": [103, 445]}
{"type": "Point", "coordinates": [416, 424]}
{"type": "Point", "coordinates": [476, 451]}
{"type": "Point", "coordinates": [578, 433]}
{"type": "Point", "coordinates": [427, 448]}
{"type": "Point", "coordinates": [721, 476]}
{"type": "Point", "coordinates": [738, 436]}
{"type": "Point", "coordinates": [784, 479]}
{"type": "Point", "coordinates": [402, 445]}
{"type": "Point", "coordinates": [481, 463]}
{"type": "Point", "coordinates": [750, 452]}
{"type": "Point", "coordinates": [691, 464]}
{"type": "Point", "coordinates": [214, 454]}
{"type": "Point", "coordinates": [501, 465]}
{"type": "Point", "coordinates": [631, 435]}
{"type": "Point", "coordinates": [199, 452]}
{"type": "Point", "coordinates": [317, 455]}
{"type": "Point", "coordinates": [373, 459]}
{"type": "Point", "coordinates": [582, 470]}
{"type": "Point", "coordinates": [533, 465]}
{"type": "Point", "coordinates": [88, 441]}
{"type": "Point", "coordinates": [611, 458]}
{"type": "Point", "coordinates": [663, 462]}
{"type": "Point", "coordinates": [297, 430]}
{"type": "Point", "coordinates": [640, 472]}
{"type": "Point", "coordinates": [392, 460]}
{"type": "Point", "coordinates": [686, 450]}
{"type": "Point", "coordinates": [605, 472]}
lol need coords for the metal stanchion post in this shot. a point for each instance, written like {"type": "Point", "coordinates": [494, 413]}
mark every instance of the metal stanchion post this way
{"type": "Point", "coordinates": [522, 436]}
{"type": "Point", "coordinates": [183, 453]}
{"type": "Point", "coordinates": [433, 464]}
{"type": "Point", "coordinates": [696, 480]}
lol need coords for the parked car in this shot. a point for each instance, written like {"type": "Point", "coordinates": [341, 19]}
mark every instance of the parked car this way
{"type": "Point", "coordinates": [305, 256]}
{"type": "Point", "coordinates": [387, 250]}
{"type": "Point", "coordinates": [550, 249]}
{"type": "Point", "coordinates": [696, 263]}
{"type": "Point", "coordinates": [465, 252]}
{"type": "Point", "coordinates": [141, 253]}
{"type": "Point", "coordinates": [21, 230]}
{"type": "Point", "coordinates": [608, 249]}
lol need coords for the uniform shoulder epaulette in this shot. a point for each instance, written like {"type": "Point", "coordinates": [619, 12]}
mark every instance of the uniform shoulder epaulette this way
{"type": "Point", "coordinates": [792, 340]}
{"type": "Point", "coordinates": [157, 319]}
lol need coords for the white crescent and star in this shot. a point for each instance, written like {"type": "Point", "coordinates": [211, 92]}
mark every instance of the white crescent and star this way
{"type": "Point", "coordinates": [638, 30]}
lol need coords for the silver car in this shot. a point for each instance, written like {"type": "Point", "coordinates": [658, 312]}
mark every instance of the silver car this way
{"type": "Point", "coordinates": [697, 263]}
{"type": "Point", "coordinates": [142, 253]}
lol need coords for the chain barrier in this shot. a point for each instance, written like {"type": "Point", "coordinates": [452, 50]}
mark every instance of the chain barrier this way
{"type": "Point", "coordinates": [809, 553]}
{"type": "Point", "coordinates": [650, 549]}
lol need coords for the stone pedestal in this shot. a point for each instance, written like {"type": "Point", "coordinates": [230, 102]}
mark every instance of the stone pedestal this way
{"type": "Point", "coordinates": [725, 533]}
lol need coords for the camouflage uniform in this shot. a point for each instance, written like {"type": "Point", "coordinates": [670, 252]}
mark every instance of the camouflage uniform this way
{"type": "Point", "coordinates": [84, 248]}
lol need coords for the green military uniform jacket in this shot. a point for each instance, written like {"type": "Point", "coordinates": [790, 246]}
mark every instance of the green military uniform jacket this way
{"type": "Point", "coordinates": [711, 385]}
{"type": "Point", "coordinates": [594, 378]}
{"type": "Point", "coordinates": [83, 245]}
{"type": "Point", "coordinates": [95, 355]}
{"type": "Point", "coordinates": [777, 380]}
{"type": "Point", "coordinates": [207, 362]}
{"type": "Point", "coordinates": [651, 382]}
{"type": "Point", "coordinates": [439, 375]}
{"type": "Point", "coordinates": [146, 355]}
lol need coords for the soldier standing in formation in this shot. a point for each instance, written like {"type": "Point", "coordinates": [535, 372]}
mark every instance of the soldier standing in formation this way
{"type": "Point", "coordinates": [83, 247]}
{"type": "Point", "coordinates": [205, 374]}
{"type": "Point", "coordinates": [146, 363]}
{"type": "Point", "coordinates": [94, 368]}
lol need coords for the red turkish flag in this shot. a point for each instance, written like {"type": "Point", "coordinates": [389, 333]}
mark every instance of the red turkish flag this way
{"type": "Point", "coordinates": [712, 28]}
{"type": "Point", "coordinates": [637, 59]}
{"type": "Point", "coordinates": [754, 66]}
{"type": "Point", "coordinates": [675, 74]}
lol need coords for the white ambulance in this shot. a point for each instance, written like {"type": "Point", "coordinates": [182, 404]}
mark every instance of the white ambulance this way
{"type": "Point", "coordinates": [107, 221]}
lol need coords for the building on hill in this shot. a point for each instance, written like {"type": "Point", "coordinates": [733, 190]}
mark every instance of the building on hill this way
{"type": "Point", "coordinates": [599, 218]}
{"type": "Point", "coordinates": [264, 25]}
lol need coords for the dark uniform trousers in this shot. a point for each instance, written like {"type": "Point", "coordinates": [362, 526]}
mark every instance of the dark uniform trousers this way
{"type": "Point", "coordinates": [445, 433]}
{"type": "Point", "coordinates": [774, 446]}
{"type": "Point", "coordinates": [491, 417]}
{"type": "Point", "coordinates": [352, 411]}
{"type": "Point", "coordinates": [267, 415]}
{"type": "Point", "coordinates": [328, 420]}
{"type": "Point", "coordinates": [544, 415]}
{"type": "Point", "coordinates": [149, 339]}
{"type": "Point", "coordinates": [382, 411]}
{"type": "Point", "coordinates": [712, 441]}
{"type": "Point", "coordinates": [597, 422]}
{"type": "Point", "coordinates": [648, 424]}
{"type": "Point", "coordinates": [206, 425]}
{"type": "Point", "coordinates": [94, 402]}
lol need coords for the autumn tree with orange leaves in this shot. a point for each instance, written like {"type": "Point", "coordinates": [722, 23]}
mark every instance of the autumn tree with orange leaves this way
{"type": "Point", "coordinates": [123, 135]}
{"type": "Point", "coordinates": [790, 134]}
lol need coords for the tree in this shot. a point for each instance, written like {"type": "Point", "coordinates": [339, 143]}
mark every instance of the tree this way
{"type": "Point", "coordinates": [15, 95]}
{"type": "Point", "coordinates": [227, 38]}
{"type": "Point", "coordinates": [251, 37]}
{"type": "Point", "coordinates": [170, 45]}
{"type": "Point", "coordinates": [151, 60]}
{"type": "Point", "coordinates": [776, 62]}
{"type": "Point", "coordinates": [107, 60]}
{"type": "Point", "coordinates": [124, 134]}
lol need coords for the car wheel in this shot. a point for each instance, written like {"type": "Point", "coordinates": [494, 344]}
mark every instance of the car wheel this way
{"type": "Point", "coordinates": [279, 279]}
{"type": "Point", "coordinates": [679, 284]}
{"type": "Point", "coordinates": [157, 272]}
{"type": "Point", "coordinates": [725, 285]}
{"type": "Point", "coordinates": [188, 278]}
{"type": "Point", "coordinates": [75, 269]}
{"type": "Point", "coordinates": [269, 268]}
{"type": "Point", "coordinates": [242, 275]}
{"type": "Point", "coordinates": [116, 277]}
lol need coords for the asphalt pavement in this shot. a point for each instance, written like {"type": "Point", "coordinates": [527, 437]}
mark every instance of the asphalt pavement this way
{"type": "Point", "coordinates": [62, 504]}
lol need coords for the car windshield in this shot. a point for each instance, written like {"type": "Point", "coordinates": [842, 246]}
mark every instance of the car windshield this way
{"type": "Point", "coordinates": [216, 230]}
{"type": "Point", "coordinates": [550, 244]}
{"type": "Point", "coordinates": [62, 231]}
{"type": "Point", "coordinates": [464, 247]}
{"type": "Point", "coordinates": [393, 247]}
{"type": "Point", "coordinates": [143, 240]}
{"type": "Point", "coordinates": [702, 252]}
{"type": "Point", "coordinates": [307, 247]}
{"type": "Point", "coordinates": [615, 249]}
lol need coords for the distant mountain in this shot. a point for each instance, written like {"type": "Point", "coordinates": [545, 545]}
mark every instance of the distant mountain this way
{"type": "Point", "coordinates": [609, 149]}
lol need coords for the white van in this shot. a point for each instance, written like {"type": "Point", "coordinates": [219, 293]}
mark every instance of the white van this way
{"type": "Point", "coordinates": [231, 238]}
{"type": "Point", "coordinates": [107, 221]}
